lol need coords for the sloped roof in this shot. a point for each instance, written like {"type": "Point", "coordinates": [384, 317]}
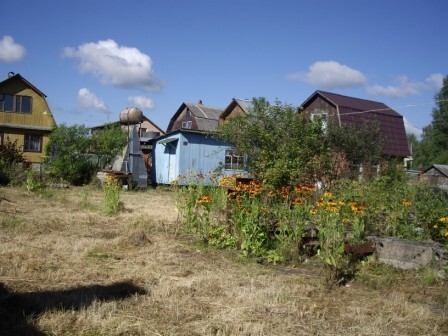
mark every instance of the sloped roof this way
{"type": "Point", "coordinates": [118, 122]}
{"type": "Point", "coordinates": [206, 116]}
{"type": "Point", "coordinates": [358, 111]}
{"type": "Point", "coordinates": [244, 104]}
{"type": "Point", "coordinates": [19, 77]}
{"type": "Point", "coordinates": [442, 169]}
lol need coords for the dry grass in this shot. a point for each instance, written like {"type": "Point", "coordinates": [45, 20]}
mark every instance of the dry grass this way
{"type": "Point", "coordinates": [66, 269]}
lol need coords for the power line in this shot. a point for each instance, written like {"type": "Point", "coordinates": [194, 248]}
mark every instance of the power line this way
{"type": "Point", "coordinates": [398, 107]}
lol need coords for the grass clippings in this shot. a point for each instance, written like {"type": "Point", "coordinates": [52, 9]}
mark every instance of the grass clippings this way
{"type": "Point", "coordinates": [67, 269]}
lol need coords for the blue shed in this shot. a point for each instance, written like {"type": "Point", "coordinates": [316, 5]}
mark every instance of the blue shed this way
{"type": "Point", "coordinates": [185, 152]}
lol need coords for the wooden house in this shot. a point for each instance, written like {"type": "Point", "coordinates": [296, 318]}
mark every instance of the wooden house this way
{"type": "Point", "coordinates": [189, 147]}
{"type": "Point", "coordinates": [235, 108]}
{"type": "Point", "coordinates": [196, 117]}
{"type": "Point", "coordinates": [25, 117]}
{"type": "Point", "coordinates": [342, 110]}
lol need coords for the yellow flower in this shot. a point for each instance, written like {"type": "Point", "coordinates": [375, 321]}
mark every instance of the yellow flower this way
{"type": "Point", "coordinates": [313, 211]}
{"type": "Point", "coordinates": [406, 202]}
{"type": "Point", "coordinates": [443, 219]}
{"type": "Point", "coordinates": [320, 203]}
{"type": "Point", "coordinates": [328, 194]}
{"type": "Point", "coordinates": [446, 234]}
{"type": "Point", "coordinates": [436, 226]}
{"type": "Point", "coordinates": [341, 202]}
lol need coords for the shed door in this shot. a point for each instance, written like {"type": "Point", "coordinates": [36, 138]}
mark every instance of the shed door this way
{"type": "Point", "coordinates": [171, 148]}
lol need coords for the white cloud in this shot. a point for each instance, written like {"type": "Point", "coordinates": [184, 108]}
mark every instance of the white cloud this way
{"type": "Point", "coordinates": [435, 81]}
{"type": "Point", "coordinates": [142, 102]}
{"type": "Point", "coordinates": [411, 129]}
{"type": "Point", "coordinates": [406, 87]}
{"type": "Point", "coordinates": [330, 74]}
{"type": "Point", "coordinates": [120, 66]}
{"type": "Point", "coordinates": [11, 51]}
{"type": "Point", "coordinates": [88, 100]}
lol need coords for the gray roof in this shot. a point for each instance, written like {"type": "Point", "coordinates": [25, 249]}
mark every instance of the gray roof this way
{"type": "Point", "coordinates": [203, 111]}
{"type": "Point", "coordinates": [245, 104]}
{"type": "Point", "coordinates": [441, 168]}
{"type": "Point", "coordinates": [206, 116]}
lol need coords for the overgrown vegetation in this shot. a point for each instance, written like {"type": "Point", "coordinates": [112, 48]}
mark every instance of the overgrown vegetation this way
{"type": "Point", "coordinates": [13, 164]}
{"type": "Point", "coordinates": [74, 156]}
{"type": "Point", "coordinates": [276, 224]}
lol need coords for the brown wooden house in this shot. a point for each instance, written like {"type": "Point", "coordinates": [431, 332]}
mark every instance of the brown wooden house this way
{"type": "Point", "coordinates": [25, 117]}
{"type": "Point", "coordinates": [195, 117]}
{"type": "Point", "coordinates": [342, 110]}
{"type": "Point", "coordinates": [235, 108]}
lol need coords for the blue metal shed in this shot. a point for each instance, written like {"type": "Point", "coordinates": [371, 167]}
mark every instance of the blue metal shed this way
{"type": "Point", "coordinates": [186, 152]}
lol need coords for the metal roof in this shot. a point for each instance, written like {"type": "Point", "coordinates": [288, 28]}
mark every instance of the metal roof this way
{"type": "Point", "coordinates": [443, 169]}
{"type": "Point", "coordinates": [245, 104]}
{"type": "Point", "coordinates": [359, 111]}
{"type": "Point", "coordinates": [204, 111]}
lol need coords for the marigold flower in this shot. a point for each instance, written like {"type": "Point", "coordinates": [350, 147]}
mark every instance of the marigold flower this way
{"type": "Point", "coordinates": [297, 201]}
{"type": "Point", "coordinates": [320, 203]}
{"type": "Point", "coordinates": [406, 202]}
{"type": "Point", "coordinates": [313, 211]}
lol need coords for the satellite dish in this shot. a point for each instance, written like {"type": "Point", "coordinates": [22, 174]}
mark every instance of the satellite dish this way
{"type": "Point", "coordinates": [131, 116]}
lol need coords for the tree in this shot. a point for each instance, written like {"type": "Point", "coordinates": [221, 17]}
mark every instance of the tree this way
{"type": "Point", "coordinates": [108, 142]}
{"type": "Point", "coordinates": [69, 146]}
{"type": "Point", "coordinates": [280, 145]}
{"type": "Point", "coordinates": [355, 145]}
{"type": "Point", "coordinates": [434, 145]}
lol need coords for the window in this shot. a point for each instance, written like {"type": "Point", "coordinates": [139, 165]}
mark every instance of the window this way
{"type": "Point", "coordinates": [234, 161]}
{"type": "Point", "coordinates": [186, 124]}
{"type": "Point", "coordinates": [33, 143]}
{"type": "Point", "coordinates": [322, 116]}
{"type": "Point", "coordinates": [11, 103]}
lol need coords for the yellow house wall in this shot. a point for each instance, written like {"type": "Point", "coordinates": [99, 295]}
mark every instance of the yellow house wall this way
{"type": "Point", "coordinates": [15, 125]}
{"type": "Point", "coordinates": [12, 135]}
{"type": "Point", "coordinates": [40, 114]}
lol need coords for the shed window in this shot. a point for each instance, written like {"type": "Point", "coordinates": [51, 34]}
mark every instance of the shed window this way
{"type": "Point", "coordinates": [11, 103]}
{"type": "Point", "coordinates": [33, 143]}
{"type": "Point", "coordinates": [233, 160]}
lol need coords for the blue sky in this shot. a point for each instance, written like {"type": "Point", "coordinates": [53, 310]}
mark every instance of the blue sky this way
{"type": "Point", "coordinates": [94, 58]}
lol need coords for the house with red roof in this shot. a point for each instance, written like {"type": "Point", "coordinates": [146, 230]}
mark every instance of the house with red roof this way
{"type": "Point", "coordinates": [343, 110]}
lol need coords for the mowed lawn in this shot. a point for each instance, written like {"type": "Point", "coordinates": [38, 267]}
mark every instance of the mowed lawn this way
{"type": "Point", "coordinates": [67, 269]}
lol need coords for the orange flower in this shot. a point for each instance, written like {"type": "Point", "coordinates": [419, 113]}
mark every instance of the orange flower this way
{"type": "Point", "coordinates": [297, 201]}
